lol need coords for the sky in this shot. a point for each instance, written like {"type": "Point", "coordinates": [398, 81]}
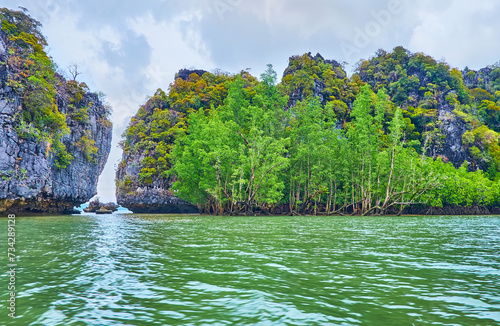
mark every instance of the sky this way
{"type": "Point", "coordinates": [128, 49]}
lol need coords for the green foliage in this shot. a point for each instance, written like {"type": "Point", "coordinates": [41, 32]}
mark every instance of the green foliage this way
{"type": "Point", "coordinates": [62, 157]}
{"type": "Point", "coordinates": [419, 85]}
{"type": "Point", "coordinates": [232, 158]}
{"type": "Point", "coordinates": [426, 89]}
{"type": "Point", "coordinates": [315, 153]}
{"type": "Point", "coordinates": [251, 153]}
{"type": "Point", "coordinates": [88, 147]}
{"type": "Point", "coordinates": [125, 186]}
{"type": "Point", "coordinates": [320, 142]}
{"type": "Point", "coordinates": [77, 109]}
{"type": "Point", "coordinates": [463, 188]}
{"type": "Point", "coordinates": [202, 91]}
{"type": "Point", "coordinates": [17, 22]}
{"type": "Point", "coordinates": [27, 131]}
{"type": "Point", "coordinates": [308, 76]}
{"type": "Point", "coordinates": [153, 130]}
{"type": "Point", "coordinates": [79, 115]}
{"type": "Point", "coordinates": [33, 77]}
{"type": "Point", "coordinates": [18, 174]}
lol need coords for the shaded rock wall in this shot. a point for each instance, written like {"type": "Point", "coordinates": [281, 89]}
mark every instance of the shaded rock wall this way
{"type": "Point", "coordinates": [154, 198]}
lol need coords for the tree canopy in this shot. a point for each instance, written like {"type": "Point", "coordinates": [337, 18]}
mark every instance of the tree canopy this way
{"type": "Point", "coordinates": [319, 142]}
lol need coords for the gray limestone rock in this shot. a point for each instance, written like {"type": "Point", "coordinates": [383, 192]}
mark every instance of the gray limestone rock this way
{"type": "Point", "coordinates": [30, 182]}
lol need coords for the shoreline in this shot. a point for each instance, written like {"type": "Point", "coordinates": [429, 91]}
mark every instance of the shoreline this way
{"type": "Point", "coordinates": [5, 216]}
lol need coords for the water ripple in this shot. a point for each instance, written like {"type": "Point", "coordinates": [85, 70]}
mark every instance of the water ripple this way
{"type": "Point", "coordinates": [202, 270]}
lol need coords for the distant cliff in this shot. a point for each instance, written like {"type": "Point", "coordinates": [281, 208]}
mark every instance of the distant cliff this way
{"type": "Point", "coordinates": [143, 180]}
{"type": "Point", "coordinates": [454, 114]}
{"type": "Point", "coordinates": [140, 184]}
{"type": "Point", "coordinates": [55, 135]}
{"type": "Point", "coordinates": [447, 114]}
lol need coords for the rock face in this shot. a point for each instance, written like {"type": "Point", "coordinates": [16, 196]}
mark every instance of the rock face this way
{"type": "Point", "coordinates": [156, 198]}
{"type": "Point", "coordinates": [30, 182]}
{"type": "Point", "coordinates": [453, 129]}
{"type": "Point", "coordinates": [184, 73]}
{"type": "Point", "coordinates": [451, 110]}
{"type": "Point", "coordinates": [150, 193]}
{"type": "Point", "coordinates": [319, 85]}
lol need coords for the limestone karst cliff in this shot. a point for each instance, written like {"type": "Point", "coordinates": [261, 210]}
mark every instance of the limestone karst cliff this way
{"type": "Point", "coordinates": [446, 114]}
{"type": "Point", "coordinates": [140, 185]}
{"type": "Point", "coordinates": [55, 135]}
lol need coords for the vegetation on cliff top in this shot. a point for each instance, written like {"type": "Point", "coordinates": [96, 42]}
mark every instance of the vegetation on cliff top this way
{"type": "Point", "coordinates": [431, 93]}
{"type": "Point", "coordinates": [152, 131]}
{"type": "Point", "coordinates": [320, 142]}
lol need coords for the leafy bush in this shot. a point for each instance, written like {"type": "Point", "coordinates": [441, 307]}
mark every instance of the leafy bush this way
{"type": "Point", "coordinates": [34, 80]}
{"type": "Point", "coordinates": [87, 146]}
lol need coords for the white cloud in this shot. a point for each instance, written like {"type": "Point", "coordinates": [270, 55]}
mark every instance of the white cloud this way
{"type": "Point", "coordinates": [112, 37]}
{"type": "Point", "coordinates": [462, 32]}
{"type": "Point", "coordinates": [172, 48]}
{"type": "Point", "coordinates": [303, 18]}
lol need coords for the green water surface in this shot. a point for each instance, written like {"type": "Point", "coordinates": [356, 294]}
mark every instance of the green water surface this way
{"type": "Point", "coordinates": [126, 269]}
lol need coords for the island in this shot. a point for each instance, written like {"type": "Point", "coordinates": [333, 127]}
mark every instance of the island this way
{"type": "Point", "coordinates": [405, 134]}
{"type": "Point", "coordinates": [55, 134]}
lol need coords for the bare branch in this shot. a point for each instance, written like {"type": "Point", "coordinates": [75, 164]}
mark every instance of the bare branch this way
{"type": "Point", "coordinates": [73, 71]}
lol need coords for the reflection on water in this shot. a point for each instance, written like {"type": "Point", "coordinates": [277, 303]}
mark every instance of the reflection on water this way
{"type": "Point", "coordinates": [201, 270]}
